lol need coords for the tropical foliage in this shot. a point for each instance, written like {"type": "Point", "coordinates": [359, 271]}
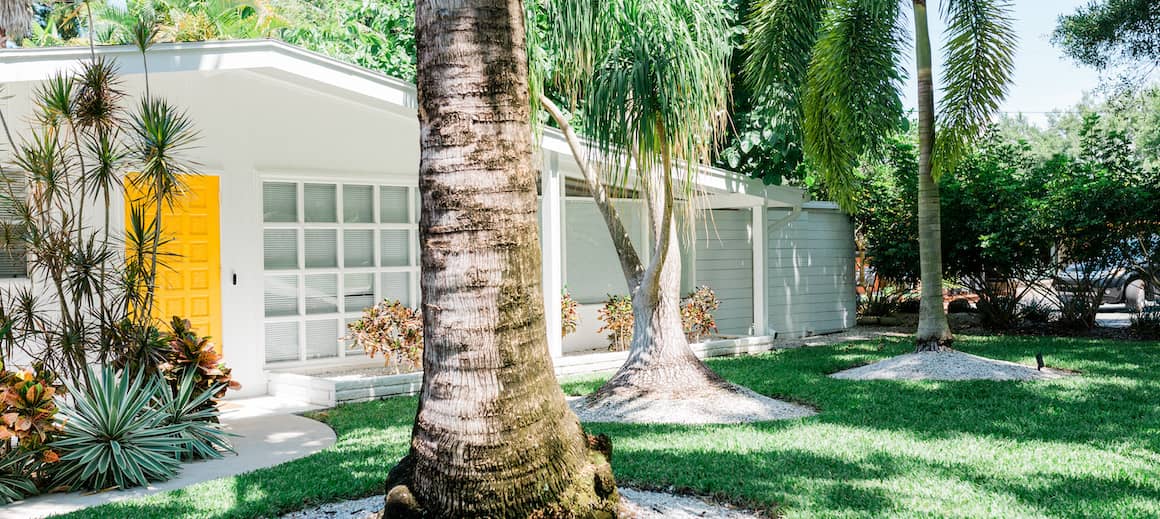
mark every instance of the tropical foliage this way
{"type": "Point", "coordinates": [392, 329]}
{"type": "Point", "coordinates": [192, 408]}
{"type": "Point", "coordinates": [115, 437]}
{"type": "Point", "coordinates": [1111, 33]}
{"type": "Point", "coordinates": [837, 68]}
{"type": "Point", "coordinates": [196, 358]}
{"type": "Point", "coordinates": [569, 316]}
{"type": "Point", "coordinates": [616, 316]}
{"type": "Point", "coordinates": [697, 313]}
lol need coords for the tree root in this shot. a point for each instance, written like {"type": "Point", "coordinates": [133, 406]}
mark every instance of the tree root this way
{"type": "Point", "coordinates": [591, 495]}
{"type": "Point", "coordinates": [934, 344]}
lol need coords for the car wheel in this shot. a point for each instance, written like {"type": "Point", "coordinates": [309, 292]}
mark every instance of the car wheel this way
{"type": "Point", "coordinates": [1135, 297]}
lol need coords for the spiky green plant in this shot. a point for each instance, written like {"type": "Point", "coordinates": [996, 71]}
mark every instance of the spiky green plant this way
{"type": "Point", "coordinates": [114, 438]}
{"type": "Point", "coordinates": [191, 408]}
{"type": "Point", "coordinates": [161, 133]}
{"type": "Point", "coordinates": [15, 483]}
{"type": "Point", "coordinates": [837, 68]}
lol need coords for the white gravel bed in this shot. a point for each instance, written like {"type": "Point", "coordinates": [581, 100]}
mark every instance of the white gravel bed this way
{"type": "Point", "coordinates": [634, 504]}
{"type": "Point", "coordinates": [950, 365]}
{"type": "Point", "coordinates": [711, 405]}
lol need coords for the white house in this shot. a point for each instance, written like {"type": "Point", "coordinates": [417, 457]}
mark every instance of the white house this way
{"type": "Point", "coordinates": [305, 212]}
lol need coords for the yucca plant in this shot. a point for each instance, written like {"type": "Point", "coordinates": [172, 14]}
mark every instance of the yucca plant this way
{"type": "Point", "coordinates": [190, 407]}
{"type": "Point", "coordinates": [114, 437]}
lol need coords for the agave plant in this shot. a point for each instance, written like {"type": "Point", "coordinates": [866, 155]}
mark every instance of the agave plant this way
{"type": "Point", "coordinates": [187, 406]}
{"type": "Point", "coordinates": [114, 438]}
{"type": "Point", "coordinates": [15, 483]}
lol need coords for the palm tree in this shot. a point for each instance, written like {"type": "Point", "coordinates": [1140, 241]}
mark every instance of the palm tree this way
{"type": "Point", "coordinates": [838, 66]}
{"type": "Point", "coordinates": [493, 436]}
{"type": "Point", "coordinates": [652, 79]}
{"type": "Point", "coordinates": [15, 19]}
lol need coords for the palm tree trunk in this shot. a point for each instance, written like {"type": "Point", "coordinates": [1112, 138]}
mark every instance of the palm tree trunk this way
{"type": "Point", "coordinates": [660, 360]}
{"type": "Point", "coordinates": [630, 263]}
{"type": "Point", "coordinates": [493, 436]}
{"type": "Point", "coordinates": [934, 334]}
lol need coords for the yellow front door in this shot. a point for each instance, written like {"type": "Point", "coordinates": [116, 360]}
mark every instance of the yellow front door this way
{"type": "Point", "coordinates": [189, 285]}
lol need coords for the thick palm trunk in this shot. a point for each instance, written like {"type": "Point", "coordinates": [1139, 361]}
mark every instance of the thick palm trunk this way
{"type": "Point", "coordinates": [493, 436]}
{"type": "Point", "coordinates": [934, 334]}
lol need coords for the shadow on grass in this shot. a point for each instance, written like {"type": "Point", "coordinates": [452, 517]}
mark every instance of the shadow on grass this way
{"type": "Point", "coordinates": [1080, 446]}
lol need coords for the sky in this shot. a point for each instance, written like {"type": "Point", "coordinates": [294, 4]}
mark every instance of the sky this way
{"type": "Point", "coordinates": [1045, 79]}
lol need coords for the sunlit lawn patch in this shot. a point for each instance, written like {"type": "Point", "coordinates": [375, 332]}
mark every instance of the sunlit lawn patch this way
{"type": "Point", "coordinates": [1087, 445]}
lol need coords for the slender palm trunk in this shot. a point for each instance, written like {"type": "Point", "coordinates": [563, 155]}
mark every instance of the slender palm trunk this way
{"type": "Point", "coordinates": [659, 355]}
{"type": "Point", "coordinates": [630, 263]}
{"type": "Point", "coordinates": [493, 436]}
{"type": "Point", "coordinates": [934, 334]}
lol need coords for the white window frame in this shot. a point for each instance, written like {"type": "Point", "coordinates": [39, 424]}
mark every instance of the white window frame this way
{"type": "Point", "coordinates": [343, 315]}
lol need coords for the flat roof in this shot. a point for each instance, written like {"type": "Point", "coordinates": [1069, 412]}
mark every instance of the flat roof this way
{"type": "Point", "coordinates": [312, 70]}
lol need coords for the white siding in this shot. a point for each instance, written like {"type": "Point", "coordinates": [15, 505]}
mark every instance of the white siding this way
{"type": "Point", "coordinates": [810, 276]}
{"type": "Point", "coordinates": [724, 261]}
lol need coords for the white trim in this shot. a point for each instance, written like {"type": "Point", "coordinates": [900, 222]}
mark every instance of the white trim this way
{"type": "Point", "coordinates": [552, 249]}
{"type": "Point", "coordinates": [760, 304]}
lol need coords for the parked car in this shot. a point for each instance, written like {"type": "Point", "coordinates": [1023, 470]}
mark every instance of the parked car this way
{"type": "Point", "coordinates": [1124, 286]}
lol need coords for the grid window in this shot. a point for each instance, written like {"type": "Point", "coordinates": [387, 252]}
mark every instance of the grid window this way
{"type": "Point", "coordinates": [332, 249]}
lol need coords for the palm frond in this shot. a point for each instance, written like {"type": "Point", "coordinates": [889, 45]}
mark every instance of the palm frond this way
{"type": "Point", "coordinates": [781, 38]}
{"type": "Point", "coordinates": [851, 100]}
{"type": "Point", "coordinates": [980, 61]}
{"type": "Point", "coordinates": [659, 81]}
{"type": "Point", "coordinates": [161, 135]}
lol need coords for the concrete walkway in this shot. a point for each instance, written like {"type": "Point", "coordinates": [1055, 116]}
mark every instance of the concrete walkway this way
{"type": "Point", "coordinates": [269, 435]}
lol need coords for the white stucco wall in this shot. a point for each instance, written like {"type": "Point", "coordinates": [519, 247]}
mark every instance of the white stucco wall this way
{"type": "Point", "coordinates": [810, 266]}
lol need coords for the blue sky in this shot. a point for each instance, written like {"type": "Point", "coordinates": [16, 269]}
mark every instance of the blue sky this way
{"type": "Point", "coordinates": [1045, 79]}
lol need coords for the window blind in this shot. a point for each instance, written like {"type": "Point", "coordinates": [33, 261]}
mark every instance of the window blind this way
{"type": "Point", "coordinates": [358, 204]}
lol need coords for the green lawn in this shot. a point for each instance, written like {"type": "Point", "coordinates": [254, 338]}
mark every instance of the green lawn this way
{"type": "Point", "coordinates": [1085, 446]}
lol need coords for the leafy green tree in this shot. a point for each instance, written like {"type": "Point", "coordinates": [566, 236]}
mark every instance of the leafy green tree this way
{"type": "Point", "coordinates": [840, 65]}
{"type": "Point", "coordinates": [995, 241]}
{"type": "Point", "coordinates": [1111, 33]}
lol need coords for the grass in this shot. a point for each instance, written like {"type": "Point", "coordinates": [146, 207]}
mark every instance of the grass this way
{"type": "Point", "coordinates": [1085, 446]}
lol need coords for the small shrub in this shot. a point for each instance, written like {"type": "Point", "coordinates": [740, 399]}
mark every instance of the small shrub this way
{"type": "Point", "coordinates": [881, 299]}
{"type": "Point", "coordinates": [697, 313]}
{"type": "Point", "coordinates": [27, 426]}
{"type": "Point", "coordinates": [617, 318]}
{"type": "Point", "coordinates": [959, 306]}
{"type": "Point", "coordinates": [190, 353]}
{"type": "Point", "coordinates": [1078, 313]}
{"type": "Point", "coordinates": [29, 410]}
{"type": "Point", "coordinates": [186, 406]}
{"type": "Point", "coordinates": [392, 329]}
{"type": "Point", "coordinates": [113, 437]}
{"type": "Point", "coordinates": [569, 317]}
{"type": "Point", "coordinates": [1146, 324]}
